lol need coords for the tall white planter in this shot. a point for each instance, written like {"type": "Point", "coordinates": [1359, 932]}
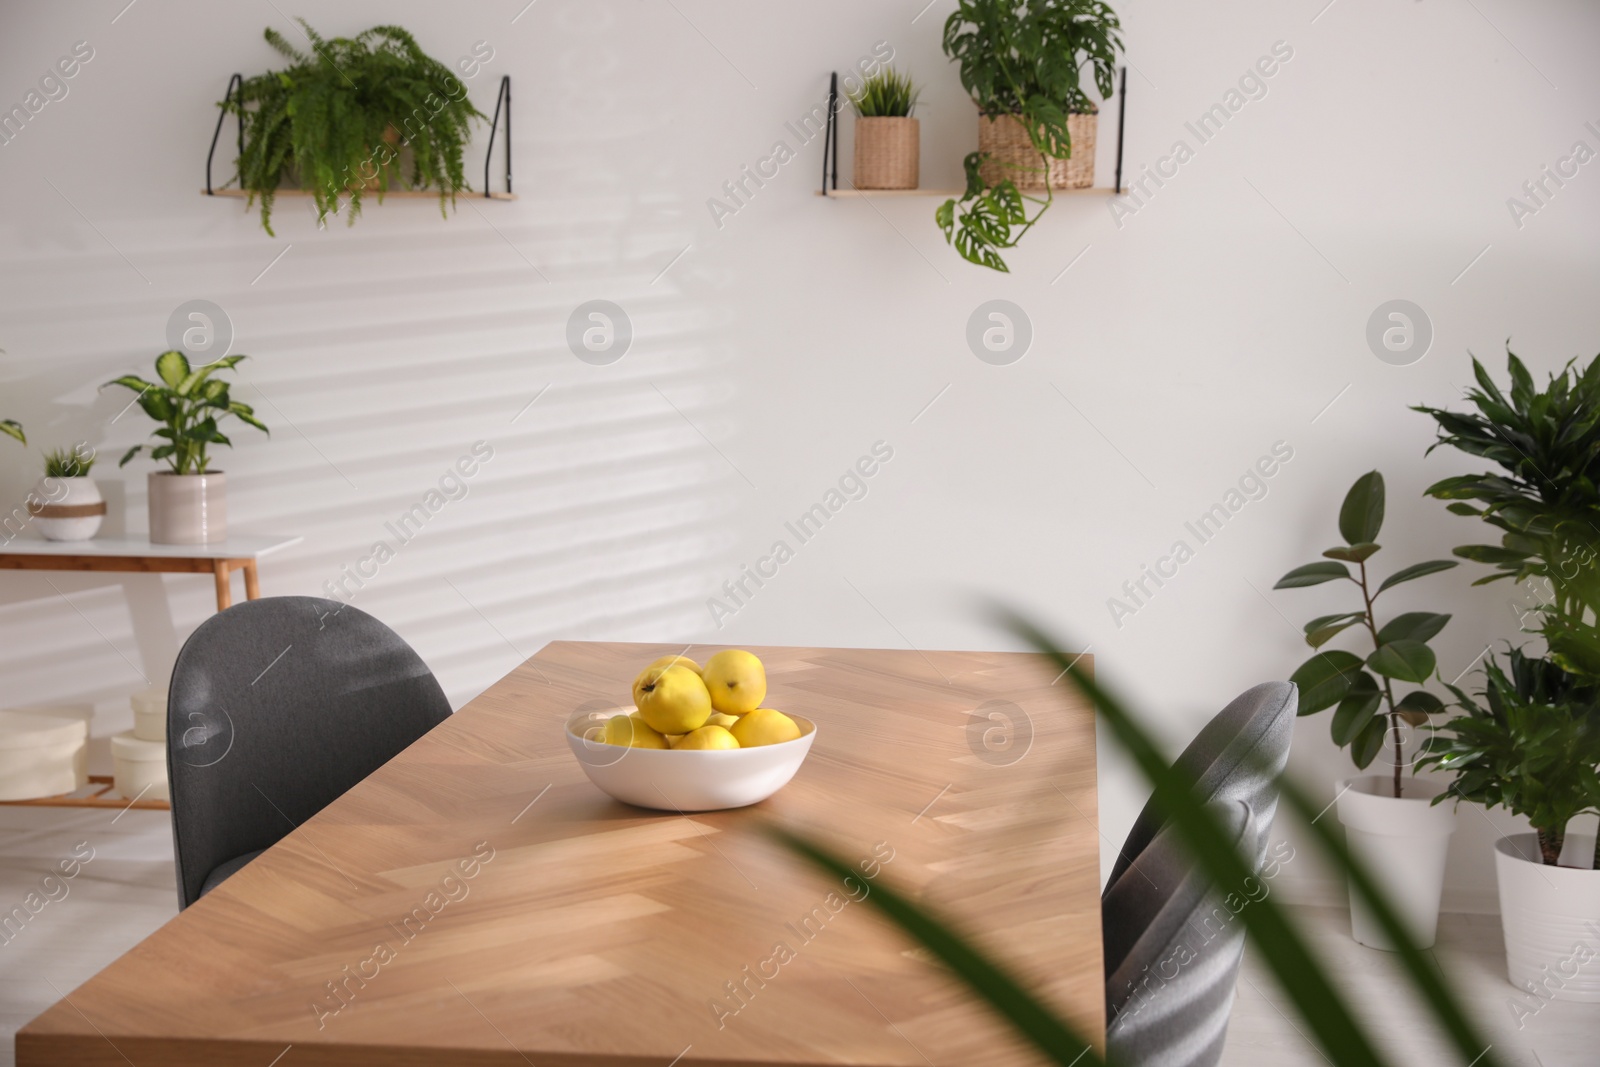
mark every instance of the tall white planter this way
{"type": "Point", "coordinates": [188, 509]}
{"type": "Point", "coordinates": [1551, 919]}
{"type": "Point", "coordinates": [67, 509]}
{"type": "Point", "coordinates": [1404, 843]}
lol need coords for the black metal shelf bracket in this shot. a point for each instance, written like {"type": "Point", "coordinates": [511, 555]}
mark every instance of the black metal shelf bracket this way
{"type": "Point", "coordinates": [501, 97]}
{"type": "Point", "coordinates": [830, 142]}
{"type": "Point", "coordinates": [234, 83]}
{"type": "Point", "coordinates": [830, 138]}
{"type": "Point", "coordinates": [235, 93]}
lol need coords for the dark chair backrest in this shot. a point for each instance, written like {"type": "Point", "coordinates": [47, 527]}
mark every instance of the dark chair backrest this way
{"type": "Point", "coordinates": [277, 707]}
{"type": "Point", "coordinates": [1172, 949]}
{"type": "Point", "coordinates": [1238, 755]}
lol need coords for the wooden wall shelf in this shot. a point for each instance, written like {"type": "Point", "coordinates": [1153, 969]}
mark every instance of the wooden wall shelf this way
{"type": "Point", "coordinates": [502, 101]}
{"type": "Point", "coordinates": [945, 194]}
{"type": "Point", "coordinates": [830, 152]}
{"type": "Point", "coordinates": [401, 194]}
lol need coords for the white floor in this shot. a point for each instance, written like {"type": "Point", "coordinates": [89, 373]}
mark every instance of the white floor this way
{"type": "Point", "coordinates": [126, 891]}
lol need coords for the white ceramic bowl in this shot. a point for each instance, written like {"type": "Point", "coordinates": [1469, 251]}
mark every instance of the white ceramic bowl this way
{"type": "Point", "coordinates": [686, 779]}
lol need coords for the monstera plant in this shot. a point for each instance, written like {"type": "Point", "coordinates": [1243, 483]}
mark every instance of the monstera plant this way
{"type": "Point", "coordinates": [1021, 60]}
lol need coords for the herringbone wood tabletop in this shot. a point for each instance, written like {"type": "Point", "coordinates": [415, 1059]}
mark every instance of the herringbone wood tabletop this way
{"type": "Point", "coordinates": [477, 901]}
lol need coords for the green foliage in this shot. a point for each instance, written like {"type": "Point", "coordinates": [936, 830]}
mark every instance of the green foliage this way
{"type": "Point", "coordinates": [1544, 498]}
{"type": "Point", "coordinates": [1532, 746]}
{"type": "Point", "coordinates": [1343, 1039]}
{"type": "Point", "coordinates": [1022, 58]}
{"type": "Point", "coordinates": [338, 118]}
{"type": "Point", "coordinates": [1534, 743]}
{"type": "Point", "coordinates": [187, 402]}
{"type": "Point", "coordinates": [13, 428]}
{"type": "Point", "coordinates": [887, 94]}
{"type": "Point", "coordinates": [73, 462]}
{"type": "Point", "coordinates": [1400, 653]}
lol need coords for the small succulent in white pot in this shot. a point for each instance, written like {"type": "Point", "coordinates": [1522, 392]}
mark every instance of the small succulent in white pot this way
{"type": "Point", "coordinates": [188, 503]}
{"type": "Point", "coordinates": [66, 504]}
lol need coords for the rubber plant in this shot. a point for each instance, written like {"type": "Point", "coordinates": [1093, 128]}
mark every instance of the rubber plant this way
{"type": "Point", "coordinates": [1023, 58]}
{"type": "Point", "coordinates": [338, 117]}
{"type": "Point", "coordinates": [1363, 686]}
{"type": "Point", "coordinates": [1343, 1038]}
{"type": "Point", "coordinates": [188, 403]}
{"type": "Point", "coordinates": [1534, 743]}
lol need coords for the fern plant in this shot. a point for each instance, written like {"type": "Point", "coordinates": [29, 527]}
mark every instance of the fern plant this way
{"type": "Point", "coordinates": [338, 118]}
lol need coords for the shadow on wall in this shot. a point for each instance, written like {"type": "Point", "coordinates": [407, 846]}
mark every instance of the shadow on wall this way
{"type": "Point", "coordinates": [390, 359]}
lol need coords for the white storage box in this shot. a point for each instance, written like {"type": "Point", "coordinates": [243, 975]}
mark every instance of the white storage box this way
{"type": "Point", "coordinates": [43, 753]}
{"type": "Point", "coordinates": [150, 714]}
{"type": "Point", "coordinates": [140, 767]}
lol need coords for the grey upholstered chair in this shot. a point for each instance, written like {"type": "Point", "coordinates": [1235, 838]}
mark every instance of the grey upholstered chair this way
{"type": "Point", "coordinates": [276, 707]}
{"type": "Point", "coordinates": [1238, 755]}
{"type": "Point", "coordinates": [1172, 950]}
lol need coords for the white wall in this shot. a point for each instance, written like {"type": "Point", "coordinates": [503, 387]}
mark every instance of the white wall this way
{"type": "Point", "coordinates": [1223, 316]}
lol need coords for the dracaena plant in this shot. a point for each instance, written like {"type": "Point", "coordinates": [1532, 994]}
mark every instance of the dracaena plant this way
{"type": "Point", "coordinates": [1022, 58]}
{"type": "Point", "coordinates": [1363, 686]}
{"type": "Point", "coordinates": [1532, 747]}
{"type": "Point", "coordinates": [188, 403]}
{"type": "Point", "coordinates": [1544, 499]}
{"type": "Point", "coordinates": [1342, 1036]}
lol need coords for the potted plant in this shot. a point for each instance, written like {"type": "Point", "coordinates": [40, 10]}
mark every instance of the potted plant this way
{"type": "Point", "coordinates": [1390, 821]}
{"type": "Point", "coordinates": [1533, 747]}
{"type": "Point", "coordinates": [13, 428]}
{"type": "Point", "coordinates": [188, 503]}
{"type": "Point", "coordinates": [338, 119]}
{"type": "Point", "coordinates": [1533, 744]}
{"type": "Point", "coordinates": [888, 140]}
{"type": "Point", "coordinates": [1022, 60]}
{"type": "Point", "coordinates": [66, 504]}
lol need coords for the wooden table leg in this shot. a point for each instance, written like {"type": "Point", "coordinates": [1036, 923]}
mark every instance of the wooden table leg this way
{"type": "Point", "coordinates": [252, 581]}
{"type": "Point", "coordinates": [224, 592]}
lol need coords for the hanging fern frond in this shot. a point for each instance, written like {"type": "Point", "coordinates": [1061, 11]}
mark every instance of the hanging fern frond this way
{"type": "Point", "coordinates": [338, 118]}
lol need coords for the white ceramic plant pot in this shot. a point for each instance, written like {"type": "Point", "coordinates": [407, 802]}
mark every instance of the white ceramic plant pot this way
{"type": "Point", "coordinates": [67, 509]}
{"type": "Point", "coordinates": [1551, 919]}
{"type": "Point", "coordinates": [188, 509]}
{"type": "Point", "coordinates": [1403, 843]}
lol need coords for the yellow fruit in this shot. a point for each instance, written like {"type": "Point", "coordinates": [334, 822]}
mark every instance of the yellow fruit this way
{"type": "Point", "coordinates": [764, 726]}
{"type": "Point", "coordinates": [673, 700]}
{"type": "Point", "coordinates": [632, 731]}
{"type": "Point", "coordinates": [670, 661]}
{"type": "Point", "coordinates": [707, 737]}
{"type": "Point", "coordinates": [737, 681]}
{"type": "Point", "coordinates": [724, 721]}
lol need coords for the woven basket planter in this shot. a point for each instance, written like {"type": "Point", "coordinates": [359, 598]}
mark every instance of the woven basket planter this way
{"type": "Point", "coordinates": [1012, 156]}
{"type": "Point", "coordinates": [887, 149]}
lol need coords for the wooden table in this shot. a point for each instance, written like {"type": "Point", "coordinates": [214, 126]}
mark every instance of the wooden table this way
{"type": "Point", "coordinates": [592, 933]}
{"type": "Point", "coordinates": [137, 555]}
